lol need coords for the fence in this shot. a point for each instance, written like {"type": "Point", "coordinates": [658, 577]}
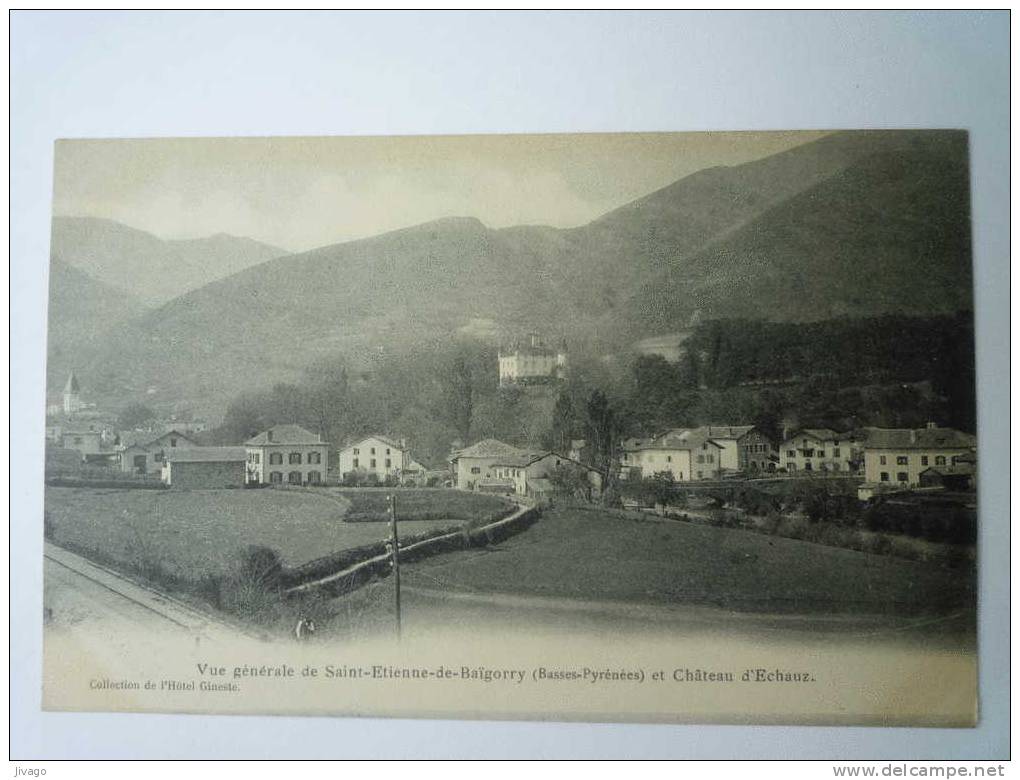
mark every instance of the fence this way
{"type": "Point", "coordinates": [356, 573]}
{"type": "Point", "coordinates": [103, 478]}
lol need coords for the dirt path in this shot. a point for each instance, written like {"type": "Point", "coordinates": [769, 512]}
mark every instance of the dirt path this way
{"type": "Point", "coordinates": [80, 596]}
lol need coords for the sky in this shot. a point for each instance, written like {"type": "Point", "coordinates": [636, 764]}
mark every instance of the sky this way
{"type": "Point", "coordinates": [300, 193]}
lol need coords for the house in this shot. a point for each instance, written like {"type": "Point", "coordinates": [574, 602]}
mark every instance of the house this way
{"type": "Point", "coordinates": [819, 449]}
{"type": "Point", "coordinates": [531, 363]}
{"type": "Point", "coordinates": [688, 455]}
{"type": "Point", "coordinates": [203, 468]}
{"type": "Point", "coordinates": [898, 456]}
{"type": "Point", "coordinates": [960, 478]}
{"type": "Point", "coordinates": [529, 472]}
{"type": "Point", "coordinates": [474, 467]}
{"type": "Point", "coordinates": [286, 454]}
{"type": "Point", "coordinates": [87, 442]}
{"type": "Point", "coordinates": [744, 447]}
{"type": "Point", "coordinates": [145, 453]}
{"type": "Point", "coordinates": [382, 456]}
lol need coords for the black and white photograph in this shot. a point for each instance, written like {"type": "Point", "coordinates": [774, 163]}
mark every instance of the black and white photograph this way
{"type": "Point", "coordinates": [672, 426]}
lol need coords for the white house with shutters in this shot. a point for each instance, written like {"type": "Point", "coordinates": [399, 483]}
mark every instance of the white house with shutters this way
{"type": "Point", "coordinates": [286, 454]}
{"type": "Point", "coordinates": [382, 456]}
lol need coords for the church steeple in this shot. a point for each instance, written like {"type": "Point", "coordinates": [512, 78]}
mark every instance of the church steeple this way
{"type": "Point", "coordinates": [72, 395]}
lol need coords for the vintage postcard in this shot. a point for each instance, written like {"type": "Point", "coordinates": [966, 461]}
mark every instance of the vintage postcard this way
{"type": "Point", "coordinates": [673, 427]}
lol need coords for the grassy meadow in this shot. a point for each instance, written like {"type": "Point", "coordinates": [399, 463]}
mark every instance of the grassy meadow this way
{"type": "Point", "coordinates": [196, 534]}
{"type": "Point", "coordinates": [588, 553]}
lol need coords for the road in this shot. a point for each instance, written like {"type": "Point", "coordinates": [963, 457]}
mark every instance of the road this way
{"type": "Point", "coordinates": [81, 597]}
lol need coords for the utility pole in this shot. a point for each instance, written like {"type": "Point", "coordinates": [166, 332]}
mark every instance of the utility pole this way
{"type": "Point", "coordinates": [395, 547]}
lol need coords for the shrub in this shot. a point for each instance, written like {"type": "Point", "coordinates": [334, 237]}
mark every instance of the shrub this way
{"type": "Point", "coordinates": [249, 599]}
{"type": "Point", "coordinates": [261, 565]}
{"type": "Point", "coordinates": [794, 527]}
{"type": "Point", "coordinates": [878, 545]}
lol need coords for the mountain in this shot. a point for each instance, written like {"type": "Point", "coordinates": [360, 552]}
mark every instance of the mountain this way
{"type": "Point", "coordinates": [860, 222]}
{"type": "Point", "coordinates": [153, 269]}
{"type": "Point", "coordinates": [888, 234]}
{"type": "Point", "coordinates": [81, 313]}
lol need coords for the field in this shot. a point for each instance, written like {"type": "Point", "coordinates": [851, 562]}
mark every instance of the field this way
{"type": "Point", "coordinates": [582, 553]}
{"type": "Point", "coordinates": [368, 504]}
{"type": "Point", "coordinates": [196, 534]}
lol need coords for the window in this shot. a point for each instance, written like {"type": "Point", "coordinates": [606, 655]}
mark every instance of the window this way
{"type": "Point", "coordinates": [807, 466]}
{"type": "Point", "coordinates": [835, 452]}
{"type": "Point", "coordinates": [940, 460]}
{"type": "Point", "coordinates": [884, 476]}
{"type": "Point", "coordinates": [669, 459]}
{"type": "Point", "coordinates": [809, 453]}
{"type": "Point", "coordinates": [791, 453]}
{"type": "Point", "coordinates": [372, 452]}
{"type": "Point", "coordinates": [881, 460]}
{"type": "Point", "coordinates": [173, 441]}
{"type": "Point", "coordinates": [275, 458]}
{"type": "Point", "coordinates": [357, 451]}
{"type": "Point", "coordinates": [475, 470]}
{"type": "Point", "coordinates": [294, 457]}
{"type": "Point", "coordinates": [257, 456]}
{"type": "Point", "coordinates": [387, 450]}
{"type": "Point", "coordinates": [791, 467]}
{"type": "Point", "coordinates": [924, 460]}
{"type": "Point", "coordinates": [701, 459]}
{"type": "Point", "coordinates": [355, 463]}
{"type": "Point", "coordinates": [372, 464]}
{"type": "Point", "coordinates": [901, 476]}
{"type": "Point", "coordinates": [901, 460]}
{"type": "Point", "coordinates": [821, 453]}
{"type": "Point", "coordinates": [314, 477]}
{"type": "Point", "coordinates": [315, 457]}
{"type": "Point", "coordinates": [276, 476]}
{"type": "Point", "coordinates": [710, 458]}
{"type": "Point", "coordinates": [294, 478]}
{"type": "Point", "coordinates": [387, 463]}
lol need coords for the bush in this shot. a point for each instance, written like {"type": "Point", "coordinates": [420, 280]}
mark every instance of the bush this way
{"type": "Point", "coordinates": [261, 565]}
{"type": "Point", "coordinates": [794, 527]}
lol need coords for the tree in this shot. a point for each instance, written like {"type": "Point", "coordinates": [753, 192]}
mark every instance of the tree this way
{"type": "Point", "coordinates": [327, 398]}
{"type": "Point", "coordinates": [460, 395]}
{"type": "Point", "coordinates": [134, 416]}
{"type": "Point", "coordinates": [564, 424]}
{"type": "Point", "coordinates": [601, 433]}
{"type": "Point", "coordinates": [571, 480]}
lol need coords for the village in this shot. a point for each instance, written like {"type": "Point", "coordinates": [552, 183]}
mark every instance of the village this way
{"type": "Point", "coordinates": [84, 443]}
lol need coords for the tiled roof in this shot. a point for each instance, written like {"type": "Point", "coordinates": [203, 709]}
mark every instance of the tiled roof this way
{"type": "Point", "coordinates": [384, 439]}
{"type": "Point", "coordinates": [917, 439]}
{"type": "Point", "coordinates": [960, 469]}
{"type": "Point", "coordinates": [677, 439]}
{"type": "Point", "coordinates": [285, 434]}
{"type": "Point", "coordinates": [146, 438]}
{"type": "Point", "coordinates": [725, 431]}
{"type": "Point", "coordinates": [207, 454]}
{"type": "Point", "coordinates": [490, 448]}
